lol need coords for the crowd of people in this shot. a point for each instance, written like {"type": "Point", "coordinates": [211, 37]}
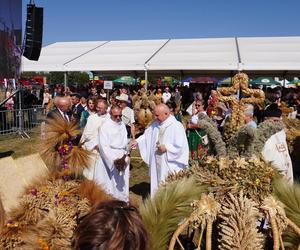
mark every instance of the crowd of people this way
{"type": "Point", "coordinates": [166, 145]}
{"type": "Point", "coordinates": [109, 128]}
{"type": "Point", "coordinates": [110, 131]}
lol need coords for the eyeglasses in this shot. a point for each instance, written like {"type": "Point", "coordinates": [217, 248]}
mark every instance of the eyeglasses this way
{"type": "Point", "coordinates": [116, 116]}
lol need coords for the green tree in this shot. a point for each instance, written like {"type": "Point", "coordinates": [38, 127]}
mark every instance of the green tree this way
{"type": "Point", "coordinates": [28, 74]}
{"type": "Point", "coordinates": [78, 77]}
{"type": "Point", "coordinates": [56, 77]}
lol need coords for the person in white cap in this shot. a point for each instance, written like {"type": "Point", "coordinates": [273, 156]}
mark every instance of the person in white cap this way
{"type": "Point", "coordinates": [127, 115]}
{"type": "Point", "coordinates": [166, 96]}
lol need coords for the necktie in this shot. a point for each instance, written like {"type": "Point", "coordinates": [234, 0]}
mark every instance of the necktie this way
{"type": "Point", "coordinates": [66, 116]}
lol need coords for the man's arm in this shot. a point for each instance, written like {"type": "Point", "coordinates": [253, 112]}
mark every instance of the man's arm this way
{"type": "Point", "coordinates": [132, 125]}
{"type": "Point", "coordinates": [177, 146]}
{"type": "Point", "coordinates": [132, 130]}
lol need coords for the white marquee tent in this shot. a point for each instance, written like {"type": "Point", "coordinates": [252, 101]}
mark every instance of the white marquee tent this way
{"type": "Point", "coordinates": [279, 55]}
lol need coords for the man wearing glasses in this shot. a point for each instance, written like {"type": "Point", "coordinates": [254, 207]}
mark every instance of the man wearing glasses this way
{"type": "Point", "coordinates": [112, 172]}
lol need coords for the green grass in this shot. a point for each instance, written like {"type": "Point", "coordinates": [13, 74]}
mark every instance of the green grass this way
{"type": "Point", "coordinates": [17, 146]}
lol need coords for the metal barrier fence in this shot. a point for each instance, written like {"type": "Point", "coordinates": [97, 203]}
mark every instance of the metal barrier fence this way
{"type": "Point", "coordinates": [20, 121]}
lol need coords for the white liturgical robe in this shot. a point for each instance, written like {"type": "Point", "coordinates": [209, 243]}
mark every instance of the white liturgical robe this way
{"type": "Point", "coordinates": [276, 152]}
{"type": "Point", "coordinates": [90, 139]}
{"type": "Point", "coordinates": [170, 133]}
{"type": "Point", "coordinates": [113, 145]}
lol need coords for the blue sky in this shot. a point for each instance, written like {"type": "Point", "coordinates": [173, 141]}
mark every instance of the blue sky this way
{"type": "Point", "coordinates": [89, 20]}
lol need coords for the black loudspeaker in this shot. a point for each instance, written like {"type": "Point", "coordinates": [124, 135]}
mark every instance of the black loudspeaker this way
{"type": "Point", "coordinates": [34, 32]}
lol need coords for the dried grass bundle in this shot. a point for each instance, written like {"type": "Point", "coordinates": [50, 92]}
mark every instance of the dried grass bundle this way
{"type": "Point", "coordinates": [47, 216]}
{"type": "Point", "coordinates": [291, 123]}
{"type": "Point", "coordinates": [11, 241]}
{"type": "Point", "coordinates": [292, 131]}
{"type": "Point", "coordinates": [163, 212]}
{"type": "Point", "coordinates": [215, 137]}
{"type": "Point", "coordinates": [285, 109]}
{"type": "Point", "coordinates": [275, 214]}
{"type": "Point", "coordinates": [291, 135]}
{"type": "Point", "coordinates": [176, 176]}
{"type": "Point", "coordinates": [60, 147]}
{"type": "Point", "coordinates": [204, 213]}
{"type": "Point", "coordinates": [142, 106]}
{"type": "Point", "coordinates": [83, 208]}
{"type": "Point", "coordinates": [78, 159]}
{"type": "Point", "coordinates": [55, 231]}
{"type": "Point", "coordinates": [30, 211]}
{"type": "Point", "coordinates": [51, 158]}
{"type": "Point", "coordinates": [238, 227]}
{"type": "Point", "coordinates": [93, 192]}
{"type": "Point", "coordinates": [241, 143]}
{"type": "Point", "coordinates": [222, 175]}
{"type": "Point", "coordinates": [58, 130]}
{"type": "Point", "coordinates": [264, 131]}
{"type": "Point", "coordinates": [144, 117]}
{"type": "Point", "coordinates": [226, 94]}
{"type": "Point", "coordinates": [289, 195]}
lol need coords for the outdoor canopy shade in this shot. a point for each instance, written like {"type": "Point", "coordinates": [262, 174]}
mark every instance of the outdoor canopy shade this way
{"type": "Point", "coordinates": [266, 81]}
{"type": "Point", "coordinates": [55, 56]}
{"type": "Point", "coordinates": [125, 80]}
{"type": "Point", "coordinates": [204, 80]}
{"type": "Point", "coordinates": [270, 53]}
{"type": "Point", "coordinates": [280, 54]}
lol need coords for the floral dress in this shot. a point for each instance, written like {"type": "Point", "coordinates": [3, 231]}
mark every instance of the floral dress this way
{"type": "Point", "coordinates": [198, 143]}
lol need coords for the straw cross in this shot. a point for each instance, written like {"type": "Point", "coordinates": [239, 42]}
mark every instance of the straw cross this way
{"type": "Point", "coordinates": [237, 96]}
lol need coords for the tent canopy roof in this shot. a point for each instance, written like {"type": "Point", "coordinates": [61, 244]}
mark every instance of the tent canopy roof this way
{"type": "Point", "coordinates": [169, 55]}
{"type": "Point", "coordinates": [264, 81]}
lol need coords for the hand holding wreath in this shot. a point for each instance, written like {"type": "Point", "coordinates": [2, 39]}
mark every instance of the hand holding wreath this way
{"type": "Point", "coordinates": [121, 163]}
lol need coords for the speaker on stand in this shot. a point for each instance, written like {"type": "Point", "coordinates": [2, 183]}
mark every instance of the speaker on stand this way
{"type": "Point", "coordinates": [34, 32]}
{"type": "Point", "coordinates": [32, 45]}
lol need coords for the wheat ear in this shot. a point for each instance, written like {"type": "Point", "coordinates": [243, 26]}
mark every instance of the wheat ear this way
{"type": "Point", "coordinates": [178, 231]}
{"type": "Point", "coordinates": [208, 233]}
{"type": "Point", "coordinates": [275, 232]}
{"type": "Point", "coordinates": [293, 226]}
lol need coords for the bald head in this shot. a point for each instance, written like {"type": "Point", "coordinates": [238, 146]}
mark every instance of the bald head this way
{"type": "Point", "coordinates": [161, 112]}
{"type": "Point", "coordinates": [62, 103]}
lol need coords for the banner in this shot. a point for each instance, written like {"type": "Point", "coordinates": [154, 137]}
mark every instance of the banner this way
{"type": "Point", "coordinates": [10, 38]}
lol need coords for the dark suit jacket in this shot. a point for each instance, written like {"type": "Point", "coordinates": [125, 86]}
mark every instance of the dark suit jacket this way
{"type": "Point", "coordinates": [76, 112]}
{"type": "Point", "coordinates": [55, 112]}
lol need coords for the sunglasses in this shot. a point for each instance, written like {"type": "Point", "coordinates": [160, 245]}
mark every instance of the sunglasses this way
{"type": "Point", "coordinates": [116, 116]}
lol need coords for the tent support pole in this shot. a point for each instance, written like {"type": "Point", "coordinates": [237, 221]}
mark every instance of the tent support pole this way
{"type": "Point", "coordinates": [146, 79]}
{"type": "Point", "coordinates": [66, 79]}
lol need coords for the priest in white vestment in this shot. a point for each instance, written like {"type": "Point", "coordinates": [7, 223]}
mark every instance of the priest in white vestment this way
{"type": "Point", "coordinates": [113, 146]}
{"type": "Point", "coordinates": [90, 136]}
{"type": "Point", "coordinates": [163, 146]}
{"type": "Point", "coordinates": [275, 149]}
